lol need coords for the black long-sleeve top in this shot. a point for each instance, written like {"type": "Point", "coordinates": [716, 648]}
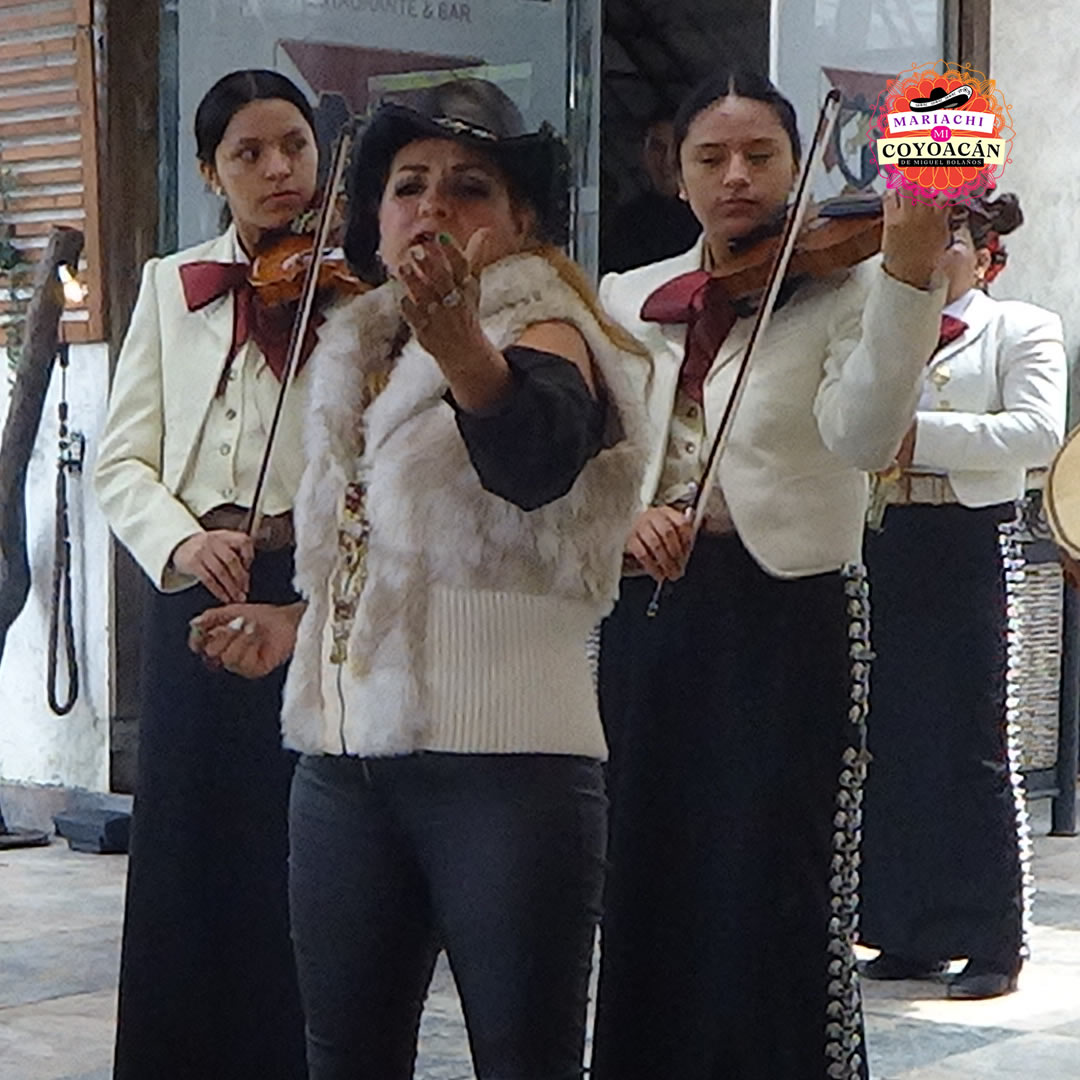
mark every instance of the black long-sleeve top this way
{"type": "Point", "coordinates": [531, 447]}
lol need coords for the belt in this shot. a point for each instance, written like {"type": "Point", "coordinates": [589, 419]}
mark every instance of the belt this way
{"type": "Point", "coordinates": [921, 489]}
{"type": "Point", "coordinates": [275, 530]}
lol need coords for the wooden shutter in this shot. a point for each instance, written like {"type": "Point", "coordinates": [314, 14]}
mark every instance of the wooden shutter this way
{"type": "Point", "coordinates": [48, 146]}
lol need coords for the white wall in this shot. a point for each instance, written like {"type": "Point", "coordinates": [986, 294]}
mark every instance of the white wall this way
{"type": "Point", "coordinates": [1034, 53]}
{"type": "Point", "coordinates": [35, 745]}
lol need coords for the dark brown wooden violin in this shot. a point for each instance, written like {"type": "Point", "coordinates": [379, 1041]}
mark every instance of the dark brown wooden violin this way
{"type": "Point", "coordinates": [280, 267]}
{"type": "Point", "coordinates": [837, 234]}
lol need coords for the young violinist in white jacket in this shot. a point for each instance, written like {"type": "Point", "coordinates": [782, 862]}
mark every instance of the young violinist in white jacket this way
{"type": "Point", "coordinates": [207, 980]}
{"type": "Point", "coordinates": [735, 716]}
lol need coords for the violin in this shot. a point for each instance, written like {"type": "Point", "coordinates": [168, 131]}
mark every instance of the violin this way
{"type": "Point", "coordinates": [278, 270]}
{"type": "Point", "coordinates": [297, 273]}
{"type": "Point", "coordinates": [837, 234]}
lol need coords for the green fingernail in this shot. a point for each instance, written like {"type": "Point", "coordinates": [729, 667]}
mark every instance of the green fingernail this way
{"type": "Point", "coordinates": [445, 239]}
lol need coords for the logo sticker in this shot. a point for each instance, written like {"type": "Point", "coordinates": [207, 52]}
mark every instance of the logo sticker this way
{"type": "Point", "coordinates": [946, 132]}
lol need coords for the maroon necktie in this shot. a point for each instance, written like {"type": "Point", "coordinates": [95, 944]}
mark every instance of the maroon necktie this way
{"type": "Point", "coordinates": [698, 300]}
{"type": "Point", "coordinates": [269, 326]}
{"type": "Point", "coordinates": [951, 329]}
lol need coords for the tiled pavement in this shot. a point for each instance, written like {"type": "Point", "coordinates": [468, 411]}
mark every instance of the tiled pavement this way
{"type": "Point", "coordinates": [59, 936]}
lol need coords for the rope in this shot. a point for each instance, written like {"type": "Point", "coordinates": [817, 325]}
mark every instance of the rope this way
{"type": "Point", "coordinates": [60, 616]}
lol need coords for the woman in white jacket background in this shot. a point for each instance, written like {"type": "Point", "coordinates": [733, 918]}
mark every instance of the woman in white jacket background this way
{"type": "Point", "coordinates": [943, 873]}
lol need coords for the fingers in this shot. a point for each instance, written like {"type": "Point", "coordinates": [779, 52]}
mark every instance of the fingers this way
{"type": "Point", "coordinates": [661, 542]}
{"type": "Point", "coordinates": [428, 274]}
{"type": "Point", "coordinates": [433, 267]}
{"type": "Point", "coordinates": [415, 285]}
{"type": "Point", "coordinates": [242, 653]}
{"type": "Point", "coordinates": [683, 520]}
{"type": "Point", "coordinates": [476, 252]}
{"type": "Point", "coordinates": [414, 315]}
{"type": "Point", "coordinates": [643, 556]}
{"type": "Point", "coordinates": [214, 586]}
{"type": "Point", "coordinates": [457, 261]}
{"type": "Point", "coordinates": [250, 645]}
{"type": "Point", "coordinates": [217, 641]}
{"type": "Point", "coordinates": [240, 542]}
{"type": "Point", "coordinates": [212, 618]}
{"type": "Point", "coordinates": [665, 546]}
{"type": "Point", "coordinates": [234, 553]}
{"type": "Point", "coordinates": [228, 575]}
{"type": "Point", "coordinates": [221, 563]}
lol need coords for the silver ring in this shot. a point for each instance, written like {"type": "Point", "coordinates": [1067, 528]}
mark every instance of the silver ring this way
{"type": "Point", "coordinates": [452, 299]}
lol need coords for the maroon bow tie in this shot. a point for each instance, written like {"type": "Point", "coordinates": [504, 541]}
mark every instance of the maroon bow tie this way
{"type": "Point", "coordinates": [270, 327]}
{"type": "Point", "coordinates": [951, 329]}
{"type": "Point", "coordinates": [698, 300]}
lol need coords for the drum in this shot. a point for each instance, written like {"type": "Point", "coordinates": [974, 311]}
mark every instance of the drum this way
{"type": "Point", "coordinates": [1061, 498]}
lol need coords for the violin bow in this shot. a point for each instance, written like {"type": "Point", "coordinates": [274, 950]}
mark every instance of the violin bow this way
{"type": "Point", "coordinates": [304, 312]}
{"type": "Point", "coordinates": [830, 110]}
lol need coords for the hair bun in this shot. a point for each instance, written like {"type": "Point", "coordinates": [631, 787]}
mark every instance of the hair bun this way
{"type": "Point", "coordinates": [1002, 214]}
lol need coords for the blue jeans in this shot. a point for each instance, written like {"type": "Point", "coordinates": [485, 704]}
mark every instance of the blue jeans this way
{"type": "Point", "coordinates": [498, 859]}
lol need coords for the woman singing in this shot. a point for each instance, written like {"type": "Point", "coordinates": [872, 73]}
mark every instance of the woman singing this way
{"type": "Point", "coordinates": [475, 458]}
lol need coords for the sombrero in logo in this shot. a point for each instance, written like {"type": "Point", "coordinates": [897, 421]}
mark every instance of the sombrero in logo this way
{"type": "Point", "coordinates": [941, 99]}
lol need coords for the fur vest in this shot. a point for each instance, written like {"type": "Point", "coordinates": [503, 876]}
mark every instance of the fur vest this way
{"type": "Point", "coordinates": [470, 629]}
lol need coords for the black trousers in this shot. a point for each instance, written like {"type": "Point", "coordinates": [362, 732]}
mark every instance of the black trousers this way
{"type": "Point", "coordinates": [727, 719]}
{"type": "Point", "coordinates": [496, 858]}
{"type": "Point", "coordinates": [942, 873]}
{"type": "Point", "coordinates": [207, 978]}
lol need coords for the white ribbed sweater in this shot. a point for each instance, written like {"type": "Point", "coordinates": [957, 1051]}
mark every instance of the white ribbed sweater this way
{"type": "Point", "coordinates": [471, 627]}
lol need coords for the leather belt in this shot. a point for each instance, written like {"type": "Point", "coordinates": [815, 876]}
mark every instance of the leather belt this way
{"type": "Point", "coordinates": [275, 530]}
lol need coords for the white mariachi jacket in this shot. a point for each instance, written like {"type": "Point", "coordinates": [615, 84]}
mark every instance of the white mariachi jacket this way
{"type": "Point", "coordinates": [831, 392]}
{"type": "Point", "coordinates": [994, 401]}
{"type": "Point", "coordinates": [470, 629]}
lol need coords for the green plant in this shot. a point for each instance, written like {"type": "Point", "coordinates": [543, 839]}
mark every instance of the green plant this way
{"type": "Point", "coordinates": [14, 275]}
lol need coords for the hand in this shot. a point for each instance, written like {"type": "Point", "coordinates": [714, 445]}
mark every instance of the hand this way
{"type": "Point", "coordinates": [442, 306]}
{"type": "Point", "coordinates": [220, 559]}
{"type": "Point", "coordinates": [661, 540]}
{"type": "Point", "coordinates": [906, 454]}
{"type": "Point", "coordinates": [247, 639]}
{"type": "Point", "coordinates": [916, 235]}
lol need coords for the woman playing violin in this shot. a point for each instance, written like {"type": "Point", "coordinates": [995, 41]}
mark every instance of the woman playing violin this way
{"type": "Point", "coordinates": [736, 716]}
{"type": "Point", "coordinates": [207, 985]}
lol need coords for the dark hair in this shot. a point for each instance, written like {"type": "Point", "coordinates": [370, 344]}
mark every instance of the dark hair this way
{"type": "Point", "coordinates": [737, 82]}
{"type": "Point", "coordinates": [230, 94]}
{"type": "Point", "coordinates": [1001, 215]}
{"type": "Point", "coordinates": [663, 113]}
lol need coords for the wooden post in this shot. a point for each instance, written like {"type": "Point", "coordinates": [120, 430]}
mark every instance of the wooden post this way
{"type": "Point", "coordinates": [21, 427]}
